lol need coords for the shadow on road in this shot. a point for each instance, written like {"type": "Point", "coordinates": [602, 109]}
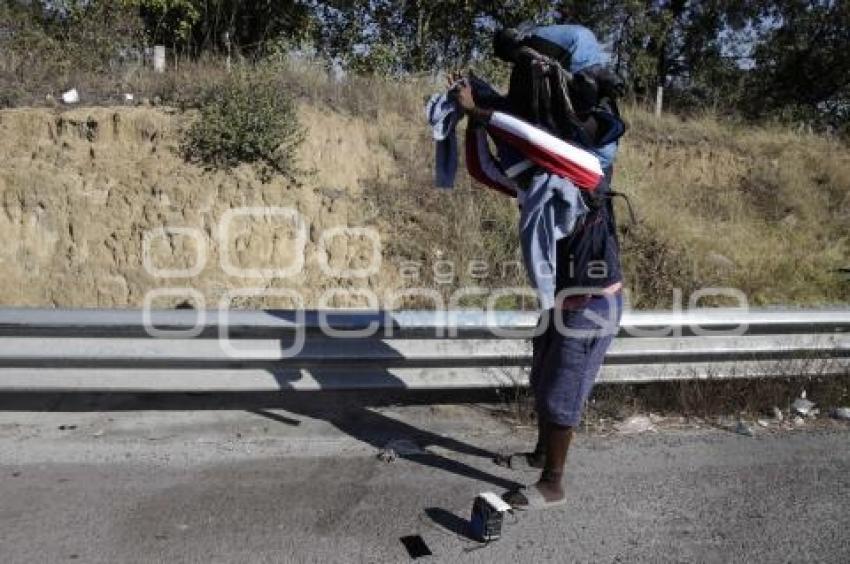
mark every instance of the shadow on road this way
{"type": "Point", "coordinates": [449, 521]}
{"type": "Point", "coordinates": [353, 413]}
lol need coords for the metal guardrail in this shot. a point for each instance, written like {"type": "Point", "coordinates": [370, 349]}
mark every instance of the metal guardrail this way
{"type": "Point", "coordinates": [113, 350]}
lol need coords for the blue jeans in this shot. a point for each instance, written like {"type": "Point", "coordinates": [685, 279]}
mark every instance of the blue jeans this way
{"type": "Point", "coordinates": [567, 356]}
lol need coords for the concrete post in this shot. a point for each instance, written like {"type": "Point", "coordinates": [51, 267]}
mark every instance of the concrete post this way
{"type": "Point", "coordinates": [159, 58]}
{"type": "Point", "coordinates": [659, 100]}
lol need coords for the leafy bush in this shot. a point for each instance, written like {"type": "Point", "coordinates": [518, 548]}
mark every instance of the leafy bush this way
{"type": "Point", "coordinates": [246, 118]}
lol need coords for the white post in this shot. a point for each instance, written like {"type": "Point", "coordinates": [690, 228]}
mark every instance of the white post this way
{"type": "Point", "coordinates": [159, 58]}
{"type": "Point", "coordinates": [227, 46]}
{"type": "Point", "coordinates": [659, 100]}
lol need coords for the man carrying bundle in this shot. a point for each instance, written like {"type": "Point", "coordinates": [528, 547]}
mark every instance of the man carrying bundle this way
{"type": "Point", "coordinates": [556, 132]}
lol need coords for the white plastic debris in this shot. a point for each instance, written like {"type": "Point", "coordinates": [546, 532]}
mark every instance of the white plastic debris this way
{"type": "Point", "coordinates": [842, 413]}
{"type": "Point", "coordinates": [802, 406]}
{"type": "Point", "coordinates": [128, 97]}
{"type": "Point", "coordinates": [635, 424]}
{"type": "Point", "coordinates": [763, 423]}
{"type": "Point", "coordinates": [71, 96]}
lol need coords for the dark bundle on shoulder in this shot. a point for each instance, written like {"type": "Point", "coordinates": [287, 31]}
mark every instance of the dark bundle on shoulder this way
{"type": "Point", "coordinates": [580, 107]}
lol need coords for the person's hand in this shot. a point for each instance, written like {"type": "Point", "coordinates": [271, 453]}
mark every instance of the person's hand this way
{"type": "Point", "coordinates": [462, 91]}
{"type": "Point", "coordinates": [464, 97]}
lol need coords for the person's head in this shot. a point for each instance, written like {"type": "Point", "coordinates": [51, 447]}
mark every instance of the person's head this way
{"type": "Point", "coordinates": [506, 43]}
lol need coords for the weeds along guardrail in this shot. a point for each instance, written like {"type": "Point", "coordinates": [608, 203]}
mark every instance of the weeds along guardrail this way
{"type": "Point", "coordinates": [230, 350]}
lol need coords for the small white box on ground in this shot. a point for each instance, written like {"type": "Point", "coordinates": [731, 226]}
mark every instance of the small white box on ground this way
{"type": "Point", "coordinates": [488, 512]}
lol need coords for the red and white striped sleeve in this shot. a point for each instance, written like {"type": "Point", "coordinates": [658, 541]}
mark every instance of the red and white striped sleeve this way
{"type": "Point", "coordinates": [555, 155]}
{"type": "Point", "coordinates": [482, 165]}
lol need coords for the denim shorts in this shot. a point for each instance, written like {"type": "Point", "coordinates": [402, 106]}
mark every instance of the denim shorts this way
{"type": "Point", "coordinates": [567, 354]}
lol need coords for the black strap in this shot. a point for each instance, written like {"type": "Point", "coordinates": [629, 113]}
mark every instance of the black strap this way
{"type": "Point", "coordinates": [614, 194]}
{"type": "Point", "coordinates": [595, 200]}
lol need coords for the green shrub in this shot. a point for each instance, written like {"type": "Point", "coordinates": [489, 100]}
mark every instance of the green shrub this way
{"type": "Point", "coordinates": [246, 118]}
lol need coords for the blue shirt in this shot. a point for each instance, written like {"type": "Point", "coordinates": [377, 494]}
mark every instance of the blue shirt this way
{"type": "Point", "coordinates": [578, 41]}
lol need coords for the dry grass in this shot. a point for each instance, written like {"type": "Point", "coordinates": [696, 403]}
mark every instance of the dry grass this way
{"type": "Point", "coordinates": [761, 209]}
{"type": "Point", "coordinates": [707, 400]}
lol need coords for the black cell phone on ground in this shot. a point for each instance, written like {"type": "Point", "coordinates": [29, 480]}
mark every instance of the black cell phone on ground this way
{"type": "Point", "coordinates": [415, 546]}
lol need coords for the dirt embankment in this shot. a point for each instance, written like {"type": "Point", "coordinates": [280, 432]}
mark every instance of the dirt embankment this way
{"type": "Point", "coordinates": [82, 190]}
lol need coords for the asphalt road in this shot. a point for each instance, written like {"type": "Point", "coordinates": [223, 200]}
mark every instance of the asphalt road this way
{"type": "Point", "coordinates": [304, 485]}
